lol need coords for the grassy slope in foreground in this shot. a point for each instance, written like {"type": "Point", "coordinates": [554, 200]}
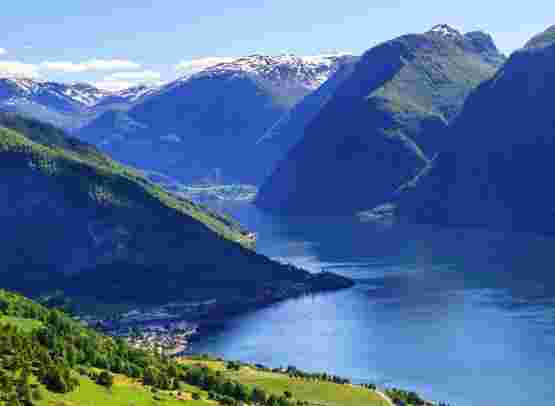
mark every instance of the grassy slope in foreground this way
{"type": "Point", "coordinates": [26, 325]}
{"type": "Point", "coordinates": [127, 391]}
{"type": "Point", "coordinates": [314, 392]}
{"type": "Point", "coordinates": [37, 339]}
{"type": "Point", "coordinates": [60, 357]}
{"type": "Point", "coordinates": [124, 392]}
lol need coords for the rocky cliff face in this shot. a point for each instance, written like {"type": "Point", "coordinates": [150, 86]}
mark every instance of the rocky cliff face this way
{"type": "Point", "coordinates": [383, 124]}
{"type": "Point", "coordinates": [495, 171]}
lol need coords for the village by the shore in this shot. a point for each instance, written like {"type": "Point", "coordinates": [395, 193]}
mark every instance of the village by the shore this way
{"type": "Point", "coordinates": [160, 329]}
{"type": "Point", "coordinates": [169, 328]}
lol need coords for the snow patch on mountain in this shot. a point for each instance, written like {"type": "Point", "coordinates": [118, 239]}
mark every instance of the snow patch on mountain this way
{"type": "Point", "coordinates": [135, 93]}
{"type": "Point", "coordinates": [445, 30]}
{"type": "Point", "coordinates": [311, 71]}
{"type": "Point", "coordinates": [80, 96]}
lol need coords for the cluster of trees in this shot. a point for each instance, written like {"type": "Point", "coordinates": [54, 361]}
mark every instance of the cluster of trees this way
{"type": "Point", "coordinates": [54, 351]}
{"type": "Point", "coordinates": [16, 391]}
{"type": "Point", "coordinates": [232, 393]}
{"type": "Point", "coordinates": [402, 397]}
{"type": "Point", "coordinates": [61, 349]}
{"type": "Point", "coordinates": [294, 372]}
{"type": "Point", "coordinates": [233, 365]}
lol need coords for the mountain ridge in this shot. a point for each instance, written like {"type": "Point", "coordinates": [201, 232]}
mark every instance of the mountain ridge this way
{"type": "Point", "coordinates": [383, 124]}
{"type": "Point", "coordinates": [108, 227]}
{"type": "Point", "coordinates": [493, 173]}
{"type": "Point", "coordinates": [206, 125]}
{"type": "Point", "coordinates": [67, 106]}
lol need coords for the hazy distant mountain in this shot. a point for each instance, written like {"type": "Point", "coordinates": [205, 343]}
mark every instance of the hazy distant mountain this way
{"type": "Point", "coordinates": [57, 95]}
{"type": "Point", "coordinates": [64, 105]}
{"type": "Point", "coordinates": [497, 167]}
{"type": "Point", "coordinates": [207, 125]}
{"type": "Point", "coordinates": [384, 123]}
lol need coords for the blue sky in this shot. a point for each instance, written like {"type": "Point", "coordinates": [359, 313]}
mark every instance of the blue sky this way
{"type": "Point", "coordinates": [141, 40]}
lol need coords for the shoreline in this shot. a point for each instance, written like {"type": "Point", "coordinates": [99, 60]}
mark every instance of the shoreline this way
{"type": "Point", "coordinates": [185, 323]}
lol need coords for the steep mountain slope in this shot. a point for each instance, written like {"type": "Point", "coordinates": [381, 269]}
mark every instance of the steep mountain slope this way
{"type": "Point", "coordinates": [65, 105]}
{"type": "Point", "coordinates": [75, 220]}
{"type": "Point", "coordinates": [207, 125]}
{"type": "Point", "coordinates": [496, 169]}
{"type": "Point", "coordinates": [289, 129]}
{"type": "Point", "coordinates": [383, 124]}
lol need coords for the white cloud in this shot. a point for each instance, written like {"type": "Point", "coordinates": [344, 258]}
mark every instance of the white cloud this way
{"type": "Point", "coordinates": [66, 67]}
{"type": "Point", "coordinates": [18, 69]}
{"type": "Point", "coordinates": [140, 76]}
{"type": "Point", "coordinates": [197, 65]}
{"type": "Point", "coordinates": [112, 64]}
{"type": "Point", "coordinates": [124, 80]}
{"type": "Point", "coordinates": [114, 85]}
{"type": "Point", "coordinates": [92, 65]}
{"type": "Point", "coordinates": [3, 51]}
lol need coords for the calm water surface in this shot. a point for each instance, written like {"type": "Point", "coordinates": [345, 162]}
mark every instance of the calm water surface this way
{"type": "Point", "coordinates": [465, 316]}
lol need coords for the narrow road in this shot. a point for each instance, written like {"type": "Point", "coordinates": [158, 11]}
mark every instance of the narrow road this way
{"type": "Point", "coordinates": [385, 397]}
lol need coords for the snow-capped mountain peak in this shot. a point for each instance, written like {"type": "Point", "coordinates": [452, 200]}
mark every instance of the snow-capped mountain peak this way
{"type": "Point", "coordinates": [83, 93]}
{"type": "Point", "coordinates": [311, 71]}
{"type": "Point", "coordinates": [21, 85]}
{"type": "Point", "coordinates": [74, 96]}
{"type": "Point", "coordinates": [64, 105]}
{"type": "Point", "coordinates": [134, 93]}
{"type": "Point", "coordinates": [78, 93]}
{"type": "Point", "coordinates": [445, 30]}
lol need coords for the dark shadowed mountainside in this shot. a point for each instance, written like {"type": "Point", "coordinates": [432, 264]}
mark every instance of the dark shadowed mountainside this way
{"type": "Point", "coordinates": [77, 221]}
{"type": "Point", "coordinates": [496, 169]}
{"type": "Point", "coordinates": [383, 124]}
{"type": "Point", "coordinates": [289, 129]}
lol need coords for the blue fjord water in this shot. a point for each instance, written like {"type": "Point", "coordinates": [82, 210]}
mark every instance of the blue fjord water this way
{"type": "Point", "coordinates": [461, 315]}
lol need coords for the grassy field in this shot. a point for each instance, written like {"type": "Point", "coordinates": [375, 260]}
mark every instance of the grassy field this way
{"type": "Point", "coordinates": [26, 325]}
{"type": "Point", "coordinates": [314, 392]}
{"type": "Point", "coordinates": [125, 392]}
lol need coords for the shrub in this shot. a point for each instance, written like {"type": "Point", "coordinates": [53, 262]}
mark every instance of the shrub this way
{"type": "Point", "coordinates": [105, 379]}
{"type": "Point", "coordinates": [82, 371]}
{"type": "Point", "coordinates": [37, 395]}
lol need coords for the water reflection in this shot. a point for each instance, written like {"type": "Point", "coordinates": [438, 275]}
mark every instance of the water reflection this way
{"type": "Point", "coordinates": [466, 316]}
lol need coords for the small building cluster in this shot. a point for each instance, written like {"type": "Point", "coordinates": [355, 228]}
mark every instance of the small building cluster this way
{"type": "Point", "coordinates": [161, 340]}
